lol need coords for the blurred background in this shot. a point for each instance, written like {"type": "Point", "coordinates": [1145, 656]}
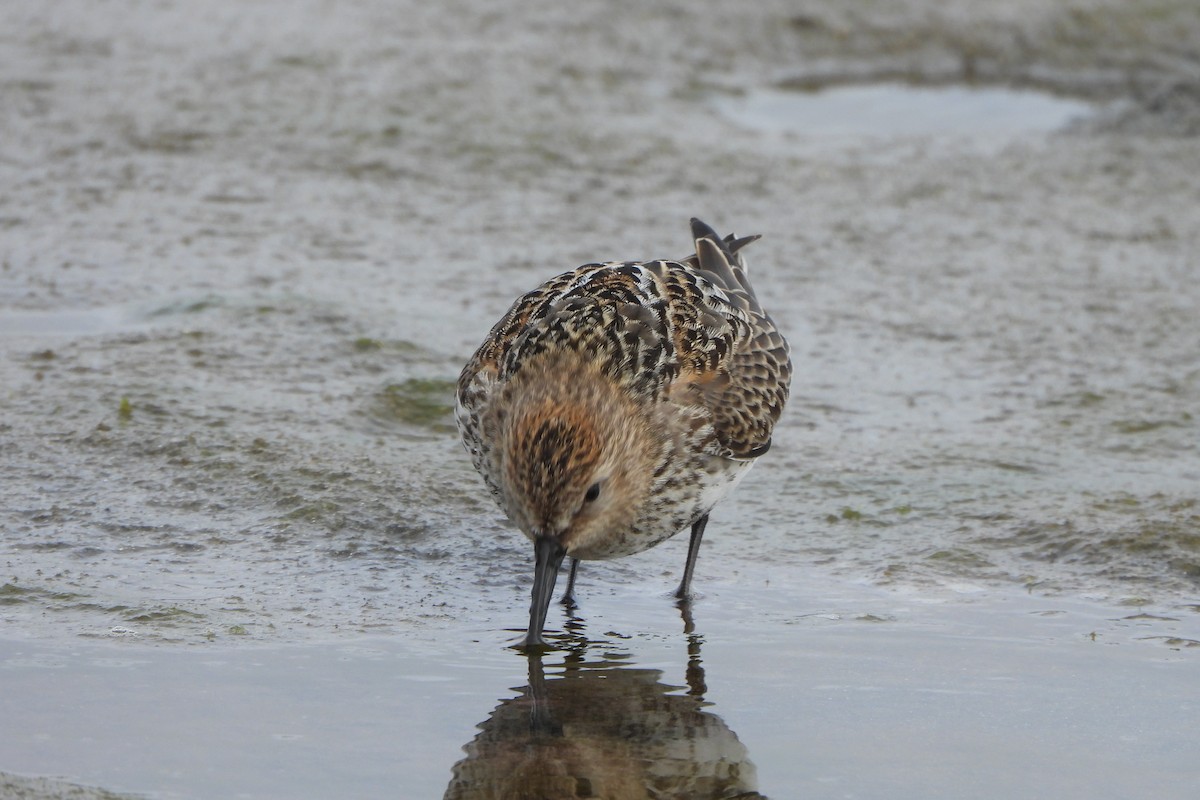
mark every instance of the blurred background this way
{"type": "Point", "coordinates": [245, 248]}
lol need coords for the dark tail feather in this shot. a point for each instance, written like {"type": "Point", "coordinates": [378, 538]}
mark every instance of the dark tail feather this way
{"type": "Point", "coordinates": [714, 259]}
{"type": "Point", "coordinates": [721, 257]}
{"type": "Point", "coordinates": [734, 245]}
{"type": "Point", "coordinates": [701, 230]}
{"type": "Point", "coordinates": [730, 245]}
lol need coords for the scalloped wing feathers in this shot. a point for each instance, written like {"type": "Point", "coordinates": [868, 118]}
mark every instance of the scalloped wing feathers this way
{"type": "Point", "coordinates": [688, 332]}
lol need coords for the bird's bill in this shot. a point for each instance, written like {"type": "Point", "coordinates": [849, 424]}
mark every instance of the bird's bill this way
{"type": "Point", "coordinates": [548, 556]}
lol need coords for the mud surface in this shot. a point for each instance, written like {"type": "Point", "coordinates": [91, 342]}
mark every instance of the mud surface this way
{"type": "Point", "coordinates": [246, 248]}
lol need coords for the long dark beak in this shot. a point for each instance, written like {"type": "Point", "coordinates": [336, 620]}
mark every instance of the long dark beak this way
{"type": "Point", "coordinates": [548, 556]}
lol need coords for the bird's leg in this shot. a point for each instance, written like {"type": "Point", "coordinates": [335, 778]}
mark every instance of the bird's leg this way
{"type": "Point", "coordinates": [568, 598]}
{"type": "Point", "coordinates": [685, 586]}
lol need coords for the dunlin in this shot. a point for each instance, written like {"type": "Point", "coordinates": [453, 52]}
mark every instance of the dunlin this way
{"type": "Point", "coordinates": [616, 404]}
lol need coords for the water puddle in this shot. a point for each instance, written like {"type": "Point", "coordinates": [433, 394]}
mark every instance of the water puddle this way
{"type": "Point", "coordinates": [902, 110]}
{"type": "Point", "coordinates": [101, 320]}
{"type": "Point", "coordinates": [778, 694]}
{"type": "Point", "coordinates": [65, 322]}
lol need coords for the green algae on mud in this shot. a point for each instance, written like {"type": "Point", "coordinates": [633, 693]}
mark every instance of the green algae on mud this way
{"type": "Point", "coordinates": [421, 402]}
{"type": "Point", "coordinates": [168, 616]}
{"type": "Point", "coordinates": [51, 600]}
{"type": "Point", "coordinates": [400, 347]}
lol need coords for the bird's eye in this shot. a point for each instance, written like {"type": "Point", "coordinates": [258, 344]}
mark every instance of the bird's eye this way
{"type": "Point", "coordinates": [592, 493]}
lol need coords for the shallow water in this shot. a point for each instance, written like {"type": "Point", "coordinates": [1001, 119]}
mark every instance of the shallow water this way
{"type": "Point", "coordinates": [904, 110]}
{"type": "Point", "coordinates": [66, 322]}
{"type": "Point", "coordinates": [860, 695]}
{"type": "Point", "coordinates": [245, 254]}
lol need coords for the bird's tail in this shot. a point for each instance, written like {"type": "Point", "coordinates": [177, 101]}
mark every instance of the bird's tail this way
{"type": "Point", "coordinates": [720, 258]}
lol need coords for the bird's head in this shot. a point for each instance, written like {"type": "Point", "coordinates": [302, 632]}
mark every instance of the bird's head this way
{"type": "Point", "coordinates": [577, 461]}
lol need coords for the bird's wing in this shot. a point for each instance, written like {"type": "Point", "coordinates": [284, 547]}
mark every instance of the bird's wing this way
{"type": "Point", "coordinates": [743, 378]}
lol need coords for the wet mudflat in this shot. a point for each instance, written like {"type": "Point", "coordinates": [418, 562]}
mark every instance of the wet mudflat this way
{"type": "Point", "coordinates": [245, 251]}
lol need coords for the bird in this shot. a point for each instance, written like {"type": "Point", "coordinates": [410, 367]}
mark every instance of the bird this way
{"type": "Point", "coordinates": [616, 404]}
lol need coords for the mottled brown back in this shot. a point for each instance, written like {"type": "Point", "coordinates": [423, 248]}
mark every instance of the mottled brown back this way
{"type": "Point", "coordinates": [688, 332]}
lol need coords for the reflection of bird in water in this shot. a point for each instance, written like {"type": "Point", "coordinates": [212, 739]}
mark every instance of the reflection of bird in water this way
{"type": "Point", "coordinates": [605, 729]}
{"type": "Point", "coordinates": [616, 404]}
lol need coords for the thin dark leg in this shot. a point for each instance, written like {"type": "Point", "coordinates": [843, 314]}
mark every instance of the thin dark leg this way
{"type": "Point", "coordinates": [568, 598]}
{"type": "Point", "coordinates": [685, 586]}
